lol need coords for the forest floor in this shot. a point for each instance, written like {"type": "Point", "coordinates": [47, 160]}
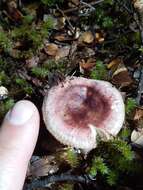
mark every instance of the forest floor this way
{"type": "Point", "coordinates": [42, 42]}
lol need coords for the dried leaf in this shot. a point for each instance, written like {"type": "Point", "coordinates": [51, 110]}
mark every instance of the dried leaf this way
{"type": "Point", "coordinates": [138, 4]}
{"type": "Point", "coordinates": [99, 37]}
{"type": "Point", "coordinates": [86, 37]}
{"type": "Point", "coordinates": [63, 37]}
{"type": "Point", "coordinates": [137, 137]}
{"type": "Point", "coordinates": [32, 62]}
{"type": "Point", "coordinates": [121, 76]}
{"type": "Point", "coordinates": [43, 166]}
{"type": "Point", "coordinates": [51, 49]}
{"type": "Point", "coordinates": [113, 65]}
{"type": "Point", "coordinates": [87, 65]}
{"type": "Point", "coordinates": [62, 52]}
{"type": "Point", "coordinates": [74, 2]}
{"type": "Point", "coordinates": [13, 13]}
{"type": "Point", "coordinates": [138, 114]}
{"type": "Point", "coordinates": [60, 23]}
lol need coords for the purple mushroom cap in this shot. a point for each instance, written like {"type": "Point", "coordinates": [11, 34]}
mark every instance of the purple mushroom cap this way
{"type": "Point", "coordinates": [77, 108]}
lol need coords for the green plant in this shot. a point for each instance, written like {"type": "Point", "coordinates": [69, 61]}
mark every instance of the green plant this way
{"type": "Point", "coordinates": [24, 85]}
{"type": "Point", "coordinates": [98, 165]}
{"type": "Point", "coordinates": [40, 72]}
{"type": "Point", "coordinates": [5, 106]}
{"type": "Point", "coordinates": [66, 186]}
{"type": "Point", "coordinates": [125, 134]}
{"type": "Point", "coordinates": [107, 22]}
{"type": "Point", "coordinates": [111, 160]}
{"type": "Point", "coordinates": [71, 157]}
{"type": "Point", "coordinates": [51, 2]}
{"type": "Point", "coordinates": [5, 41]}
{"type": "Point", "coordinates": [31, 36]}
{"type": "Point", "coordinates": [99, 72]}
{"type": "Point", "coordinates": [130, 105]}
{"type": "Point", "coordinates": [112, 177]}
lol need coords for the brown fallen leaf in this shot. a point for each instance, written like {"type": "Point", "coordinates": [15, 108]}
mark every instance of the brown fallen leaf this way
{"type": "Point", "coordinates": [62, 52]}
{"type": "Point", "coordinates": [51, 49]}
{"type": "Point", "coordinates": [137, 137]}
{"type": "Point", "coordinates": [75, 2]}
{"type": "Point", "coordinates": [62, 37]}
{"type": "Point", "coordinates": [12, 12]}
{"type": "Point", "coordinates": [60, 23]}
{"type": "Point", "coordinates": [138, 114]}
{"type": "Point", "coordinates": [121, 76]}
{"type": "Point", "coordinates": [113, 65]}
{"type": "Point", "coordinates": [32, 62]}
{"type": "Point", "coordinates": [43, 166]}
{"type": "Point", "coordinates": [87, 65]}
{"type": "Point", "coordinates": [86, 37]}
{"type": "Point", "coordinates": [99, 38]}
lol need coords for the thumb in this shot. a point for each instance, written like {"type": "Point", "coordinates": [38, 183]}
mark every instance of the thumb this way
{"type": "Point", "coordinates": [18, 136]}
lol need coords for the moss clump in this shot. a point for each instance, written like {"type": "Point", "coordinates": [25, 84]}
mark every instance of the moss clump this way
{"type": "Point", "coordinates": [31, 36]}
{"type": "Point", "coordinates": [5, 106]}
{"type": "Point", "coordinates": [99, 72]}
{"type": "Point", "coordinates": [130, 105]}
{"type": "Point", "coordinates": [51, 2]}
{"type": "Point", "coordinates": [5, 41]}
{"type": "Point", "coordinates": [111, 160]}
{"type": "Point", "coordinates": [71, 157]}
{"type": "Point", "coordinates": [40, 72]}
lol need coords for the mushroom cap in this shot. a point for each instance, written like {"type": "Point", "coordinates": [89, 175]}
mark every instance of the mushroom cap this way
{"type": "Point", "coordinates": [77, 108]}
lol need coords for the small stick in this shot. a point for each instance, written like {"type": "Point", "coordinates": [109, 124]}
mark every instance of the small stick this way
{"type": "Point", "coordinates": [138, 4]}
{"type": "Point", "coordinates": [140, 88]}
{"type": "Point", "coordinates": [44, 183]}
{"type": "Point", "coordinates": [87, 4]}
{"type": "Point", "coordinates": [83, 6]}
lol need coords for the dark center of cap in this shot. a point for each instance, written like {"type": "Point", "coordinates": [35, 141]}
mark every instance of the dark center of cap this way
{"type": "Point", "coordinates": [85, 105]}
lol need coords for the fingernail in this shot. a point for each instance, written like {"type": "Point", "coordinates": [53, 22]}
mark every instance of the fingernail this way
{"type": "Point", "coordinates": [20, 113]}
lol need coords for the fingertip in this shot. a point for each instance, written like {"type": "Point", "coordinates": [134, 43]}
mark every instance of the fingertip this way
{"type": "Point", "coordinates": [18, 137]}
{"type": "Point", "coordinates": [21, 113]}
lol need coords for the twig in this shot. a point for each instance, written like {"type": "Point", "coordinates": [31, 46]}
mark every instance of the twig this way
{"type": "Point", "coordinates": [83, 6]}
{"type": "Point", "coordinates": [44, 183]}
{"type": "Point", "coordinates": [138, 4]}
{"type": "Point", "coordinates": [63, 14]}
{"type": "Point", "coordinates": [124, 6]}
{"type": "Point", "coordinates": [87, 4]}
{"type": "Point", "coordinates": [140, 88]}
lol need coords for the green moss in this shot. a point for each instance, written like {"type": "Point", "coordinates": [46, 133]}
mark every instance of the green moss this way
{"type": "Point", "coordinates": [51, 2]}
{"type": "Point", "coordinates": [5, 41]}
{"type": "Point", "coordinates": [107, 22]}
{"type": "Point", "coordinates": [24, 85]}
{"type": "Point", "coordinates": [66, 186]}
{"type": "Point", "coordinates": [130, 105]}
{"type": "Point", "coordinates": [125, 133]}
{"type": "Point", "coordinates": [40, 72]}
{"type": "Point", "coordinates": [112, 177]}
{"type": "Point", "coordinates": [32, 34]}
{"type": "Point", "coordinates": [5, 106]}
{"type": "Point", "coordinates": [99, 72]}
{"type": "Point", "coordinates": [71, 156]}
{"type": "Point", "coordinates": [111, 160]}
{"type": "Point", "coordinates": [98, 165]}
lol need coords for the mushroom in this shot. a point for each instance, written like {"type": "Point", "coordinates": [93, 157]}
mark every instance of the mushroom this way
{"type": "Point", "coordinates": [77, 108]}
